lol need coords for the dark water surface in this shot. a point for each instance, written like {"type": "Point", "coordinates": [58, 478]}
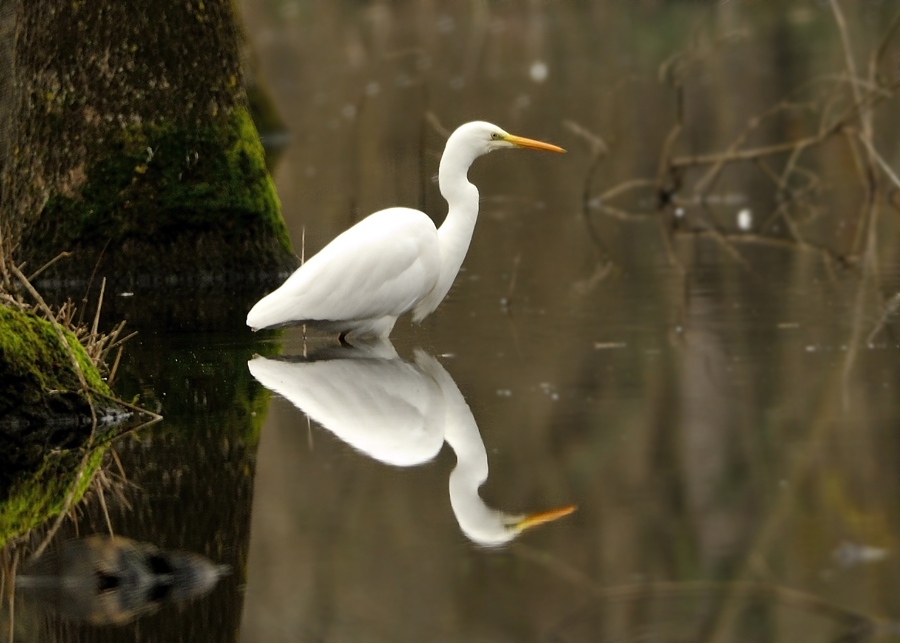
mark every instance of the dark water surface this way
{"type": "Point", "coordinates": [724, 416]}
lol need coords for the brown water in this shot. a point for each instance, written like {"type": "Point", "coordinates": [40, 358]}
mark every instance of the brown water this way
{"type": "Point", "coordinates": [723, 414]}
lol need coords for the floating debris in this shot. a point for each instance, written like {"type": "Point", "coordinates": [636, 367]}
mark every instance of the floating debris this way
{"type": "Point", "coordinates": [549, 390]}
{"type": "Point", "coordinates": [604, 346]}
{"type": "Point", "coordinates": [538, 71]}
{"type": "Point", "coordinates": [851, 554]}
{"type": "Point", "coordinates": [108, 579]}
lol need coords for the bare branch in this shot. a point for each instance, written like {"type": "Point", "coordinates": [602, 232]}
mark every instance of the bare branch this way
{"type": "Point", "coordinates": [880, 161]}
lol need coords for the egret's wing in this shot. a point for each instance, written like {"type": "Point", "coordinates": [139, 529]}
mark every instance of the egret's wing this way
{"type": "Point", "coordinates": [386, 408]}
{"type": "Point", "coordinates": [381, 266]}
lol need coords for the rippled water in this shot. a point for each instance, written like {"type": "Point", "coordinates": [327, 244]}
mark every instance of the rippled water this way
{"type": "Point", "coordinates": [725, 424]}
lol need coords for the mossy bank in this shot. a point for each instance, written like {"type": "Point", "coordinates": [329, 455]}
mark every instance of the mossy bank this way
{"type": "Point", "coordinates": [37, 378]}
{"type": "Point", "coordinates": [33, 497]}
{"type": "Point", "coordinates": [45, 419]}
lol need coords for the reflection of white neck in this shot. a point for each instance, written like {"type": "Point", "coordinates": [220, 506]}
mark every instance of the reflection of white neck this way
{"type": "Point", "coordinates": [398, 413]}
{"type": "Point", "coordinates": [479, 522]}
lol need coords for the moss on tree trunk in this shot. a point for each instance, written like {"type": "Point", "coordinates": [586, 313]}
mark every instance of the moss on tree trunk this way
{"type": "Point", "coordinates": [132, 146]}
{"type": "Point", "coordinates": [170, 205]}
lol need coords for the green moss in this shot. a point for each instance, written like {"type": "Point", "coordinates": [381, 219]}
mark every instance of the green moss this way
{"type": "Point", "coordinates": [38, 497]}
{"type": "Point", "coordinates": [39, 459]}
{"type": "Point", "coordinates": [35, 365]}
{"type": "Point", "coordinates": [157, 181]}
{"type": "Point", "coordinates": [253, 398]}
{"type": "Point", "coordinates": [186, 376]}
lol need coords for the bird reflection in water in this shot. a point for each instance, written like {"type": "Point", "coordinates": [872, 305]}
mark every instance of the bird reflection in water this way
{"type": "Point", "coordinates": [106, 579]}
{"type": "Point", "coordinates": [399, 413]}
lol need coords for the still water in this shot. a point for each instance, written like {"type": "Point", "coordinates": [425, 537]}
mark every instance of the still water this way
{"type": "Point", "coordinates": [725, 425]}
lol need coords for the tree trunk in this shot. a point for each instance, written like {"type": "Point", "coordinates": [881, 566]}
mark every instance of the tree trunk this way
{"type": "Point", "coordinates": [130, 144]}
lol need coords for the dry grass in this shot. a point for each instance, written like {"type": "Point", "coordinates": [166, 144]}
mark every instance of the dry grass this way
{"type": "Point", "coordinates": [17, 291]}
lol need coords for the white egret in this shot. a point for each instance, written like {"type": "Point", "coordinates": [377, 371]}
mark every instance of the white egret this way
{"type": "Point", "coordinates": [394, 260]}
{"type": "Point", "coordinates": [401, 413]}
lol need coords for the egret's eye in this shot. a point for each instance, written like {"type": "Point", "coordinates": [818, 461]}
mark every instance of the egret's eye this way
{"type": "Point", "coordinates": [496, 136]}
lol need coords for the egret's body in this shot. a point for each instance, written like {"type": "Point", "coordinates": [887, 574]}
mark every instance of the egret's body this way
{"type": "Point", "coordinates": [400, 413]}
{"type": "Point", "coordinates": [393, 261]}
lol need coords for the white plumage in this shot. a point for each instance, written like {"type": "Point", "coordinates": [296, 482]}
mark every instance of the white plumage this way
{"type": "Point", "coordinates": [393, 261]}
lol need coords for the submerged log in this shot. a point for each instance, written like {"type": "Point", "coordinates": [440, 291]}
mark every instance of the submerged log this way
{"type": "Point", "coordinates": [107, 579]}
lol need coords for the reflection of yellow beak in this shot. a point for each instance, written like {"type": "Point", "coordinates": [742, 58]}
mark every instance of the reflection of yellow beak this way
{"type": "Point", "coordinates": [534, 520]}
{"type": "Point", "coordinates": [518, 141]}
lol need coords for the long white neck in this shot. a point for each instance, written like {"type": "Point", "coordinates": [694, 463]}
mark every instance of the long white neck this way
{"type": "Point", "coordinates": [455, 233]}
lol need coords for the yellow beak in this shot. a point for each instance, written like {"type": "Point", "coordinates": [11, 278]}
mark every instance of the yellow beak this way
{"type": "Point", "coordinates": [531, 144]}
{"type": "Point", "coordinates": [534, 520]}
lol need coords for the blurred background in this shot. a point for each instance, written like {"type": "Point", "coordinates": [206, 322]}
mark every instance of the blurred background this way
{"type": "Point", "coordinates": [710, 374]}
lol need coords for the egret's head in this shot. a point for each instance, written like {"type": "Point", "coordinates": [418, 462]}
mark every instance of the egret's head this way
{"type": "Point", "coordinates": [497, 528]}
{"type": "Point", "coordinates": [517, 524]}
{"type": "Point", "coordinates": [480, 138]}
